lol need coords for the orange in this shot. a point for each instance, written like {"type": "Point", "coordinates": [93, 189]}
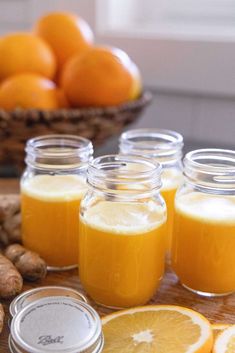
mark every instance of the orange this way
{"type": "Point", "coordinates": [29, 91]}
{"type": "Point", "coordinates": [66, 33]}
{"type": "Point", "coordinates": [225, 342]}
{"type": "Point", "coordinates": [100, 77]}
{"type": "Point", "coordinates": [157, 329]}
{"type": "Point", "coordinates": [136, 82]}
{"type": "Point", "coordinates": [218, 329]}
{"type": "Point", "coordinates": [62, 99]}
{"type": "Point", "coordinates": [25, 52]}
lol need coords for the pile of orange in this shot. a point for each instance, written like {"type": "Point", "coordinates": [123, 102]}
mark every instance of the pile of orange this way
{"type": "Point", "coordinates": [57, 66]}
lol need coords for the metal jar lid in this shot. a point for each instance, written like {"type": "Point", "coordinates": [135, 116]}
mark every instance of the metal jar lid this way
{"type": "Point", "coordinates": [30, 296]}
{"type": "Point", "coordinates": [56, 324]}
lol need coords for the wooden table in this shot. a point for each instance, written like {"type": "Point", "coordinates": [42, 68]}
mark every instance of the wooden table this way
{"type": "Point", "coordinates": [218, 310]}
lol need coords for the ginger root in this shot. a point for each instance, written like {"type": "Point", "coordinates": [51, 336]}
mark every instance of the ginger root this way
{"type": "Point", "coordinates": [11, 281]}
{"type": "Point", "coordinates": [1, 317]}
{"type": "Point", "coordinates": [10, 219]}
{"type": "Point", "coordinates": [30, 265]}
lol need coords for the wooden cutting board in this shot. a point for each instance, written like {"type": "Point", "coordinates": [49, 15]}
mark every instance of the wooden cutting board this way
{"type": "Point", "coordinates": [217, 310]}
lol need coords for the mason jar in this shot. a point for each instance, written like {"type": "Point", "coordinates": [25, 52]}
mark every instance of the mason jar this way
{"type": "Point", "coordinates": [51, 190]}
{"type": "Point", "coordinates": [122, 232]}
{"type": "Point", "coordinates": [204, 230]}
{"type": "Point", "coordinates": [165, 147]}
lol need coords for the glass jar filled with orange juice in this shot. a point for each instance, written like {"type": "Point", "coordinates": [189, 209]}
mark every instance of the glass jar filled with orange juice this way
{"type": "Point", "coordinates": [51, 190]}
{"type": "Point", "coordinates": [122, 232]}
{"type": "Point", "coordinates": [164, 146]}
{"type": "Point", "coordinates": [204, 228]}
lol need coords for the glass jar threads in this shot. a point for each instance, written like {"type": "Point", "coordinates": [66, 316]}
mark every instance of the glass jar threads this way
{"type": "Point", "coordinates": [51, 190]}
{"type": "Point", "coordinates": [165, 147]}
{"type": "Point", "coordinates": [204, 230]}
{"type": "Point", "coordinates": [122, 231]}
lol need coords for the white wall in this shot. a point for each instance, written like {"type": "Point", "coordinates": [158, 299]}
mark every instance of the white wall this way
{"type": "Point", "coordinates": [202, 119]}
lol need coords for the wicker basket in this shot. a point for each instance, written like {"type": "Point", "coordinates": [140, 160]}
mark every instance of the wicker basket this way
{"type": "Point", "coordinates": [97, 124]}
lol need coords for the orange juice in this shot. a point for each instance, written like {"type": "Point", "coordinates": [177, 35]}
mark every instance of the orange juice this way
{"type": "Point", "coordinates": [163, 146]}
{"type": "Point", "coordinates": [171, 179]}
{"type": "Point", "coordinates": [121, 252]}
{"type": "Point", "coordinates": [204, 242]}
{"type": "Point", "coordinates": [50, 222]}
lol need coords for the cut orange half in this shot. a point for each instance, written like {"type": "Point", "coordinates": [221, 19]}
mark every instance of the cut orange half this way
{"type": "Point", "coordinates": [225, 342]}
{"type": "Point", "coordinates": [157, 329]}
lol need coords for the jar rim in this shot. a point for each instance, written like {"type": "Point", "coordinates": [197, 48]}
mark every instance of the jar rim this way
{"type": "Point", "coordinates": [215, 154]}
{"type": "Point", "coordinates": [77, 143]}
{"type": "Point", "coordinates": [59, 150]}
{"type": "Point", "coordinates": [212, 168]}
{"type": "Point", "coordinates": [165, 140]}
{"type": "Point", "coordinates": [117, 169]}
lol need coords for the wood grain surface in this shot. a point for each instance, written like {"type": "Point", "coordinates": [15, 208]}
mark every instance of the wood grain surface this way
{"type": "Point", "coordinates": [217, 310]}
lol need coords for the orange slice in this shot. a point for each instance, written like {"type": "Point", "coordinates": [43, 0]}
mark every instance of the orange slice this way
{"type": "Point", "coordinates": [225, 342]}
{"type": "Point", "coordinates": [157, 329]}
{"type": "Point", "coordinates": [218, 328]}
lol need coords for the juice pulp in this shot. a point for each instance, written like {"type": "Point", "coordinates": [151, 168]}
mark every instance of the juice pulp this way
{"type": "Point", "coordinates": [121, 252]}
{"type": "Point", "coordinates": [50, 221]}
{"type": "Point", "coordinates": [171, 179]}
{"type": "Point", "coordinates": [204, 242]}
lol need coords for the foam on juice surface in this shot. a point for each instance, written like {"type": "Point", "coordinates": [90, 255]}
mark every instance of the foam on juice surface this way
{"type": "Point", "coordinates": [55, 187]}
{"type": "Point", "coordinates": [126, 218]}
{"type": "Point", "coordinates": [207, 208]}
